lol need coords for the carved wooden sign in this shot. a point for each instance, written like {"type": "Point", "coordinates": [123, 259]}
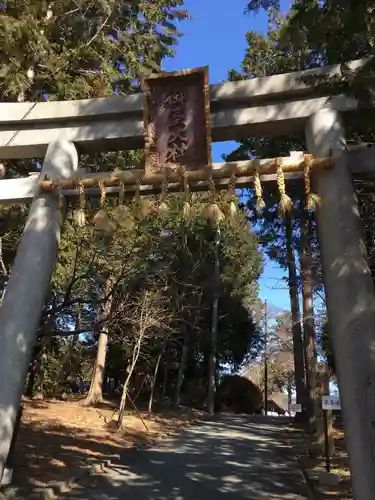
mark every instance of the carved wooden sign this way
{"type": "Point", "coordinates": [177, 120]}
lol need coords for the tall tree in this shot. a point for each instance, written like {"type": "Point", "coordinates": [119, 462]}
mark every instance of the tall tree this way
{"type": "Point", "coordinates": [82, 49]}
{"type": "Point", "coordinates": [267, 55]}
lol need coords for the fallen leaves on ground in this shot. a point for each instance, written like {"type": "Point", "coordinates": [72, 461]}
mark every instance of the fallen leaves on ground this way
{"type": "Point", "coordinates": [57, 439]}
{"type": "Point", "coordinates": [339, 465]}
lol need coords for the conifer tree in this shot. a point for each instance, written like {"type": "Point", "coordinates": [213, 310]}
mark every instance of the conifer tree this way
{"type": "Point", "coordinates": [67, 49]}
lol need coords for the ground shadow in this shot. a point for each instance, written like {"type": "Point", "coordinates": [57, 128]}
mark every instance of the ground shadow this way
{"type": "Point", "coordinates": [229, 457]}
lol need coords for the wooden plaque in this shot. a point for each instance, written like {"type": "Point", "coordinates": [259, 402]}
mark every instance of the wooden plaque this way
{"type": "Point", "coordinates": [177, 120]}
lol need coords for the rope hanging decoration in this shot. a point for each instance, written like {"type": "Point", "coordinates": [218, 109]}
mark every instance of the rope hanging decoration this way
{"type": "Point", "coordinates": [213, 211]}
{"type": "Point", "coordinates": [260, 205]}
{"type": "Point", "coordinates": [312, 199]}
{"type": "Point", "coordinates": [187, 208]}
{"type": "Point", "coordinates": [142, 207]}
{"type": "Point", "coordinates": [58, 189]}
{"type": "Point", "coordinates": [122, 213]}
{"type": "Point", "coordinates": [232, 196]}
{"type": "Point", "coordinates": [102, 222]}
{"type": "Point", "coordinates": [79, 214]}
{"type": "Point", "coordinates": [285, 204]}
{"type": "Point", "coordinates": [163, 207]}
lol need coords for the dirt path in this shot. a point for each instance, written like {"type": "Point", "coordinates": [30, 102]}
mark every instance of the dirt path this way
{"type": "Point", "coordinates": [60, 440]}
{"type": "Point", "coordinates": [231, 457]}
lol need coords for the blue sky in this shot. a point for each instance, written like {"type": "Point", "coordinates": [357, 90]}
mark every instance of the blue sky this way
{"type": "Point", "coordinates": [215, 37]}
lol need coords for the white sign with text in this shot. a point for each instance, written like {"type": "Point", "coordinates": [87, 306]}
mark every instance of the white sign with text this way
{"type": "Point", "coordinates": [331, 403]}
{"type": "Point", "coordinates": [295, 407]}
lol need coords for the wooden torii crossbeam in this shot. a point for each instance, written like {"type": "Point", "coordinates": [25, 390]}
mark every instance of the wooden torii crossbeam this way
{"type": "Point", "coordinates": [277, 105]}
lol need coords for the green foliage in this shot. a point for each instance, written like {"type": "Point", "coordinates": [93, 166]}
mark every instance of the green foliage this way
{"type": "Point", "coordinates": [83, 49]}
{"type": "Point", "coordinates": [162, 256]}
{"type": "Point", "coordinates": [312, 34]}
{"type": "Point", "coordinates": [280, 354]}
{"type": "Point", "coordinates": [316, 33]}
{"type": "Point", "coordinates": [67, 49]}
{"type": "Point", "coordinates": [238, 394]}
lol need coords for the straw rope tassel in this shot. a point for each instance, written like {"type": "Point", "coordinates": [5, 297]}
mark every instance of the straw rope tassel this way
{"type": "Point", "coordinates": [186, 211]}
{"type": "Point", "coordinates": [163, 208]}
{"type": "Point", "coordinates": [260, 205]}
{"type": "Point", "coordinates": [214, 212]}
{"type": "Point", "coordinates": [137, 194]}
{"type": "Point", "coordinates": [285, 204]}
{"type": "Point", "coordinates": [121, 194]}
{"type": "Point", "coordinates": [123, 217]}
{"type": "Point", "coordinates": [80, 215]}
{"type": "Point", "coordinates": [312, 199]}
{"type": "Point", "coordinates": [232, 196]}
{"type": "Point", "coordinates": [102, 194]}
{"type": "Point", "coordinates": [101, 219]}
{"type": "Point", "coordinates": [142, 207]}
{"type": "Point", "coordinates": [60, 205]}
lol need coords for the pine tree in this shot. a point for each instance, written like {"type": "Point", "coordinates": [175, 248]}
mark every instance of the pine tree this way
{"type": "Point", "coordinates": [64, 49]}
{"type": "Point", "coordinates": [68, 49]}
{"type": "Point", "coordinates": [266, 56]}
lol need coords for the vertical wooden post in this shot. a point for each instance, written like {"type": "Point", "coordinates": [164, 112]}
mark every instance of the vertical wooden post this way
{"type": "Point", "coordinates": [350, 296]}
{"type": "Point", "coordinates": [27, 289]}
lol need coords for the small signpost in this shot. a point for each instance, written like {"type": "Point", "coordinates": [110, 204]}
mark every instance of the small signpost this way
{"type": "Point", "coordinates": [295, 407]}
{"type": "Point", "coordinates": [329, 403]}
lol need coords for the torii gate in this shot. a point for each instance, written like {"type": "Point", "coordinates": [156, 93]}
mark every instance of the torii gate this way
{"type": "Point", "coordinates": [276, 105]}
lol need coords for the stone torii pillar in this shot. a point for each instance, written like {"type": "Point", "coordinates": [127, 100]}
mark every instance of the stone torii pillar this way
{"type": "Point", "coordinates": [27, 289]}
{"type": "Point", "coordinates": [350, 296]}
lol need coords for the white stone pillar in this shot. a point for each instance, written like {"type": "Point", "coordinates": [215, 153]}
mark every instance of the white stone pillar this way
{"type": "Point", "coordinates": [350, 296]}
{"type": "Point", "coordinates": [27, 289]}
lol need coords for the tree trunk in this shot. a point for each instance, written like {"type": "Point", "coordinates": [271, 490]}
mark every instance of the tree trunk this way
{"type": "Point", "coordinates": [165, 378]}
{"type": "Point", "coordinates": [154, 379]}
{"type": "Point", "coordinates": [181, 368]}
{"type": "Point", "coordinates": [66, 367]}
{"type": "Point", "coordinates": [215, 318]}
{"type": "Point", "coordinates": [308, 317]}
{"type": "Point", "coordinates": [299, 368]}
{"type": "Point", "coordinates": [95, 395]}
{"type": "Point", "coordinates": [33, 369]}
{"type": "Point", "coordinates": [123, 398]}
{"type": "Point", "coordinates": [30, 383]}
{"type": "Point", "coordinates": [126, 385]}
{"type": "Point", "coordinates": [38, 392]}
{"type": "Point", "coordinates": [289, 390]}
{"type": "Point", "coordinates": [265, 357]}
{"type": "Point", "coordinates": [185, 346]}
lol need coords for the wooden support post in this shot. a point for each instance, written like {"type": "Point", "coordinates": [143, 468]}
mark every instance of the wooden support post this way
{"type": "Point", "coordinates": [27, 289]}
{"type": "Point", "coordinates": [350, 296]}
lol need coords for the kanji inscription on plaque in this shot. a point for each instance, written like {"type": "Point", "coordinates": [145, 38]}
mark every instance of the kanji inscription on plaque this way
{"type": "Point", "coordinates": [177, 120]}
